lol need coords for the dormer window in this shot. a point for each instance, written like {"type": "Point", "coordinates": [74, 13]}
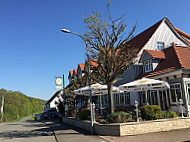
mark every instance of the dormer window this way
{"type": "Point", "coordinates": [160, 45]}
{"type": "Point", "coordinates": [148, 65]}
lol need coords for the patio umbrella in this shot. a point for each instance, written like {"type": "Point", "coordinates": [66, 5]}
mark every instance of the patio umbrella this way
{"type": "Point", "coordinates": [85, 90]}
{"type": "Point", "coordinates": [103, 89]}
{"type": "Point", "coordinates": [144, 84]}
{"type": "Point", "coordinates": [96, 89]}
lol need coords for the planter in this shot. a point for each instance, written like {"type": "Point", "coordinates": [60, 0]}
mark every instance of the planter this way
{"type": "Point", "coordinates": [131, 128]}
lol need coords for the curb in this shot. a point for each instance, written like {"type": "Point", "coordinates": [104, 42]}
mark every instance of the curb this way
{"type": "Point", "coordinates": [49, 125]}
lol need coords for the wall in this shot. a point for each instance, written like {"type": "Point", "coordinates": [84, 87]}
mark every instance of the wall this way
{"type": "Point", "coordinates": [163, 34]}
{"type": "Point", "coordinates": [132, 128]}
{"type": "Point", "coordinates": [130, 74]}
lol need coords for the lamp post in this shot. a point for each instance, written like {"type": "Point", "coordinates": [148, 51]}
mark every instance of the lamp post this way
{"type": "Point", "coordinates": [64, 95]}
{"type": "Point", "coordinates": [89, 82]}
{"type": "Point", "coordinates": [181, 107]}
{"type": "Point", "coordinates": [136, 105]}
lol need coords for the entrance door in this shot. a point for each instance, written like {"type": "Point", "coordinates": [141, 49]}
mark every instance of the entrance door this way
{"type": "Point", "coordinates": [163, 100]}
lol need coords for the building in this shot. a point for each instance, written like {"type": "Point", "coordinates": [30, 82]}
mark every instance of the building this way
{"type": "Point", "coordinates": [53, 101]}
{"type": "Point", "coordinates": [163, 54]}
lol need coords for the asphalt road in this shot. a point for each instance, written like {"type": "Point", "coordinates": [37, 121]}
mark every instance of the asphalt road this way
{"type": "Point", "coordinates": [25, 131]}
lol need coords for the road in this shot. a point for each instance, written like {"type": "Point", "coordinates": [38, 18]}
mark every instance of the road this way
{"type": "Point", "coordinates": [31, 131]}
{"type": "Point", "coordinates": [52, 131]}
{"type": "Point", "coordinates": [25, 131]}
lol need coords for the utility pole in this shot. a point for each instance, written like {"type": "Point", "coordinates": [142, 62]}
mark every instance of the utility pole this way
{"type": "Point", "coordinates": [2, 104]}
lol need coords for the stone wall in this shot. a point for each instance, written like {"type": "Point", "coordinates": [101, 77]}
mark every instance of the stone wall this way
{"type": "Point", "coordinates": [132, 128]}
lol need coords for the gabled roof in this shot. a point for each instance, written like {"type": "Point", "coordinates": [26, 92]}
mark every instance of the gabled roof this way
{"type": "Point", "coordinates": [70, 74]}
{"type": "Point", "coordinates": [81, 65]}
{"type": "Point", "coordinates": [176, 57]}
{"type": "Point", "coordinates": [93, 63]}
{"type": "Point", "coordinates": [141, 39]}
{"type": "Point", "coordinates": [184, 35]}
{"type": "Point", "coordinates": [155, 53]}
{"type": "Point", "coordinates": [183, 54]}
{"type": "Point", "coordinates": [75, 71]}
{"type": "Point", "coordinates": [51, 99]}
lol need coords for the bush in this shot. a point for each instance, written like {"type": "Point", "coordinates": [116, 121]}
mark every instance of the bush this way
{"type": "Point", "coordinates": [151, 112]}
{"type": "Point", "coordinates": [169, 114]}
{"type": "Point", "coordinates": [119, 117]}
{"type": "Point", "coordinates": [84, 114]}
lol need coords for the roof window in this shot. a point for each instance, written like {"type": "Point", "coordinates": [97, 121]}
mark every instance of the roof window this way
{"type": "Point", "coordinates": [160, 45]}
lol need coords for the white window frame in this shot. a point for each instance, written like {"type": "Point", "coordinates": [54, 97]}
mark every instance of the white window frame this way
{"type": "Point", "coordinates": [147, 65]}
{"type": "Point", "coordinates": [188, 93]}
{"type": "Point", "coordinates": [160, 46]}
{"type": "Point", "coordinates": [125, 95]}
{"type": "Point", "coordinates": [173, 88]}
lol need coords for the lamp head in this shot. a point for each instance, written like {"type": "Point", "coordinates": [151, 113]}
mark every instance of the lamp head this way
{"type": "Point", "coordinates": [65, 31]}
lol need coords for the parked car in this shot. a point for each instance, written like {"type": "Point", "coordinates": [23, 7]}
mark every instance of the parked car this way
{"type": "Point", "coordinates": [39, 117]}
{"type": "Point", "coordinates": [51, 114]}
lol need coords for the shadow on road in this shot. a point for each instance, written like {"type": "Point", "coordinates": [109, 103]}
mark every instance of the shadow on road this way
{"type": "Point", "coordinates": [67, 129]}
{"type": "Point", "coordinates": [26, 134]}
{"type": "Point", "coordinates": [38, 130]}
{"type": "Point", "coordinates": [32, 123]}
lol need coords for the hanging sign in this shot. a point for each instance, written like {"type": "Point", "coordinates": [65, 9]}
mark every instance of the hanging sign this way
{"type": "Point", "coordinates": [58, 83]}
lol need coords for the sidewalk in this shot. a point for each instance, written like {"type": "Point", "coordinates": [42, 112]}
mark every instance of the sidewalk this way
{"type": "Point", "coordinates": [181, 135]}
{"type": "Point", "coordinates": [67, 133]}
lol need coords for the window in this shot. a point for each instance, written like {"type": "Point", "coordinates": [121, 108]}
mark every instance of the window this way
{"type": "Point", "coordinates": [104, 100]}
{"type": "Point", "coordinates": [143, 97]}
{"type": "Point", "coordinates": [127, 98]}
{"type": "Point", "coordinates": [117, 99]}
{"type": "Point", "coordinates": [160, 45]}
{"type": "Point", "coordinates": [122, 99]}
{"type": "Point", "coordinates": [154, 97]}
{"type": "Point", "coordinates": [175, 92]}
{"type": "Point", "coordinates": [148, 66]}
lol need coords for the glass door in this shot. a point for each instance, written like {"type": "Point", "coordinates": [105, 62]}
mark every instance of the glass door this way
{"type": "Point", "coordinates": [163, 100]}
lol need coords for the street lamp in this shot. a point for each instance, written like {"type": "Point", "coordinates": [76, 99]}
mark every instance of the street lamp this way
{"type": "Point", "coordinates": [89, 82]}
{"type": "Point", "coordinates": [181, 106]}
{"type": "Point", "coordinates": [136, 105]}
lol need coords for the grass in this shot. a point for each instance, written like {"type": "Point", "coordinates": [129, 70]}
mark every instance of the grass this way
{"type": "Point", "coordinates": [20, 118]}
{"type": "Point", "coordinates": [32, 118]}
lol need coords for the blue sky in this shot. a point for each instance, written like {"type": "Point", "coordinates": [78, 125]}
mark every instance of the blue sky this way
{"type": "Point", "coordinates": [34, 50]}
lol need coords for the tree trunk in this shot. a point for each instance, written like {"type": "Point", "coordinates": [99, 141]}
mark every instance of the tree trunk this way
{"type": "Point", "coordinates": [110, 97]}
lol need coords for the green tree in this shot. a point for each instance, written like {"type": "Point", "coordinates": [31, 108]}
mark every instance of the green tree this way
{"type": "Point", "coordinates": [19, 105]}
{"type": "Point", "coordinates": [107, 43]}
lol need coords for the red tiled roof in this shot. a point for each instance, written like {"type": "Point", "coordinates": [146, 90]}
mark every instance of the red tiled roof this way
{"type": "Point", "coordinates": [176, 57]}
{"type": "Point", "coordinates": [183, 54]}
{"type": "Point", "coordinates": [75, 71]}
{"type": "Point", "coordinates": [71, 73]}
{"type": "Point", "coordinates": [82, 66]}
{"type": "Point", "coordinates": [184, 35]}
{"type": "Point", "coordinates": [156, 54]}
{"type": "Point", "coordinates": [93, 63]}
{"type": "Point", "coordinates": [141, 39]}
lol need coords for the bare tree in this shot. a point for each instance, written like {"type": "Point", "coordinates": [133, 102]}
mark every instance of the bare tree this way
{"type": "Point", "coordinates": [107, 43]}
